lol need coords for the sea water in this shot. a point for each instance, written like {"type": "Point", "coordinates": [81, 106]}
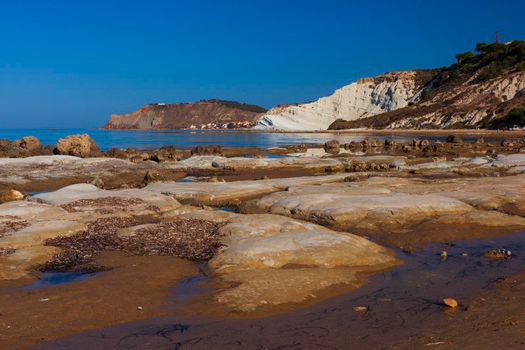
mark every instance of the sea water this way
{"type": "Point", "coordinates": [150, 139]}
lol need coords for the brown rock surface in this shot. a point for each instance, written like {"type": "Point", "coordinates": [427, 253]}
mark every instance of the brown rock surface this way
{"type": "Point", "coordinates": [77, 145]}
{"type": "Point", "coordinates": [30, 143]}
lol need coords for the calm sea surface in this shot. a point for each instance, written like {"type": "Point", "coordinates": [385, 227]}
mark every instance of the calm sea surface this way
{"type": "Point", "coordinates": [149, 139]}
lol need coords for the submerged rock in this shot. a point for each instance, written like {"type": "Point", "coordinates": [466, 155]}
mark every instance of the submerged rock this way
{"type": "Point", "coordinates": [275, 260]}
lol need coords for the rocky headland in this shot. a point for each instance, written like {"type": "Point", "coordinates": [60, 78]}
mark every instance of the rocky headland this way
{"type": "Point", "coordinates": [208, 114]}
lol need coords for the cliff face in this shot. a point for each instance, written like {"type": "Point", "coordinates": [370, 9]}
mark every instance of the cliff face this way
{"type": "Point", "coordinates": [361, 99]}
{"type": "Point", "coordinates": [469, 105]}
{"type": "Point", "coordinates": [199, 115]}
{"type": "Point", "coordinates": [478, 91]}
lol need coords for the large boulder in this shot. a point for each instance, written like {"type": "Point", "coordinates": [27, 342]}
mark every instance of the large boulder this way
{"type": "Point", "coordinates": [78, 146]}
{"type": "Point", "coordinates": [332, 146]}
{"type": "Point", "coordinates": [10, 196]}
{"type": "Point", "coordinates": [29, 143]}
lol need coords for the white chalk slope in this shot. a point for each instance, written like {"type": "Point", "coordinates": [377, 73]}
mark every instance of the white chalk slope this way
{"type": "Point", "coordinates": [363, 98]}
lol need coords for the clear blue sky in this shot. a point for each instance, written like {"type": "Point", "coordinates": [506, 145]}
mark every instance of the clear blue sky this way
{"type": "Point", "coordinates": [73, 63]}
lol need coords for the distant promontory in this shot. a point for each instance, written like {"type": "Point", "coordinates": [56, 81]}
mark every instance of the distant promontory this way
{"type": "Point", "coordinates": [206, 114]}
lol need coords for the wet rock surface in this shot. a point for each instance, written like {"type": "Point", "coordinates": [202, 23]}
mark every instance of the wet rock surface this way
{"type": "Point", "coordinates": [298, 236]}
{"type": "Point", "coordinates": [401, 308]}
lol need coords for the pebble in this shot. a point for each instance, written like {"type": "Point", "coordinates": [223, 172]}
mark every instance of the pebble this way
{"type": "Point", "coordinates": [452, 303]}
{"type": "Point", "coordinates": [444, 255]}
{"type": "Point", "coordinates": [360, 308]}
{"type": "Point", "coordinates": [139, 308]}
{"type": "Point", "coordinates": [498, 254]}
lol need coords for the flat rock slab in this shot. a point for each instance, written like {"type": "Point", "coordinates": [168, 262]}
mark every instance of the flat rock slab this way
{"type": "Point", "coordinates": [224, 193]}
{"type": "Point", "coordinates": [388, 203]}
{"type": "Point", "coordinates": [79, 192]}
{"type": "Point", "coordinates": [509, 160]}
{"type": "Point", "coordinates": [275, 287]}
{"type": "Point", "coordinates": [56, 171]}
{"type": "Point", "coordinates": [243, 163]}
{"type": "Point", "coordinates": [30, 210]}
{"type": "Point", "coordinates": [273, 260]}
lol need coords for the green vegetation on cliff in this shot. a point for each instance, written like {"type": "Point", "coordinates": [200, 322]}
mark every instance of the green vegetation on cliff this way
{"type": "Point", "coordinates": [515, 117]}
{"type": "Point", "coordinates": [489, 61]}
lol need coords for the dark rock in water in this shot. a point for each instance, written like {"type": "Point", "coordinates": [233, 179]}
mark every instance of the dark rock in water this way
{"type": "Point", "coordinates": [332, 147]}
{"type": "Point", "coordinates": [369, 143]}
{"type": "Point", "coordinates": [167, 153]}
{"type": "Point", "coordinates": [78, 145]}
{"type": "Point", "coordinates": [454, 139]}
{"type": "Point", "coordinates": [507, 143]}
{"type": "Point", "coordinates": [206, 150]}
{"type": "Point", "coordinates": [480, 139]}
{"type": "Point", "coordinates": [390, 143]}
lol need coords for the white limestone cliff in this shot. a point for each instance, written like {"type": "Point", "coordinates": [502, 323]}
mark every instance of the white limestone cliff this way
{"type": "Point", "coordinates": [363, 98]}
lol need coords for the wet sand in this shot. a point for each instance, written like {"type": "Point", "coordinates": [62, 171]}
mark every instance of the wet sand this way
{"type": "Point", "coordinates": [29, 316]}
{"type": "Point", "coordinates": [401, 310]}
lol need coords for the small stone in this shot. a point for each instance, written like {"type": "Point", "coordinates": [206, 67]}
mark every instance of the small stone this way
{"type": "Point", "coordinates": [450, 302]}
{"type": "Point", "coordinates": [44, 299]}
{"type": "Point", "coordinates": [444, 255]}
{"type": "Point", "coordinates": [360, 308]}
{"type": "Point", "coordinates": [97, 181]}
{"type": "Point", "coordinates": [139, 308]}
{"type": "Point", "coordinates": [498, 254]}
